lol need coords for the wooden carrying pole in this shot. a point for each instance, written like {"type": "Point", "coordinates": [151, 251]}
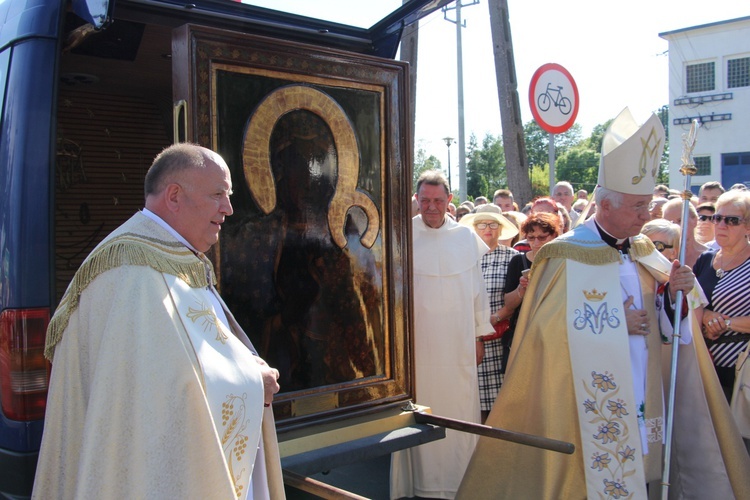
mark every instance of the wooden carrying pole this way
{"type": "Point", "coordinates": [329, 492]}
{"type": "Point", "coordinates": [688, 169]}
{"type": "Point", "coordinates": [494, 432]}
{"type": "Point", "coordinates": [318, 488]}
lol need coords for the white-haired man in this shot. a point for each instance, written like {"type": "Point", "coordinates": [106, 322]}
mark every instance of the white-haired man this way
{"type": "Point", "coordinates": [562, 193]}
{"type": "Point", "coordinates": [587, 365]}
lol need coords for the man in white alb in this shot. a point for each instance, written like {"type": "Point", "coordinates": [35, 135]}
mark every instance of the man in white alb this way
{"type": "Point", "coordinates": [451, 313]}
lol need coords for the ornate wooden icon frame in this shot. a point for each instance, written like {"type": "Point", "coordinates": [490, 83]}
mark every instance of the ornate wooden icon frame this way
{"type": "Point", "coordinates": [239, 88]}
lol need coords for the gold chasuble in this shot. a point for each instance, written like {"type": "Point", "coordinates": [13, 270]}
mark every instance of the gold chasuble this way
{"type": "Point", "coordinates": [571, 377]}
{"type": "Point", "coordinates": [152, 394]}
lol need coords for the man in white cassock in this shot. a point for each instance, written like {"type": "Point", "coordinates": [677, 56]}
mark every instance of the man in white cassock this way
{"type": "Point", "coordinates": [451, 312]}
{"type": "Point", "coordinates": [156, 392]}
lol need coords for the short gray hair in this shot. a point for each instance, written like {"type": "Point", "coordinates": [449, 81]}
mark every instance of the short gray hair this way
{"type": "Point", "coordinates": [564, 184]}
{"type": "Point", "coordinates": [171, 163]}
{"type": "Point", "coordinates": [615, 198]}
{"type": "Point", "coordinates": [738, 199]}
{"type": "Point", "coordinates": [433, 178]}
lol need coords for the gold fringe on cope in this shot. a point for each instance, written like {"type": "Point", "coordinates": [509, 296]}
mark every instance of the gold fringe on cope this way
{"type": "Point", "coordinates": [595, 253]}
{"type": "Point", "coordinates": [588, 253]}
{"type": "Point", "coordinates": [125, 250]}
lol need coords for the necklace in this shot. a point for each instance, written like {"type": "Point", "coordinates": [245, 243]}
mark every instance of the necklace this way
{"type": "Point", "coordinates": [720, 273]}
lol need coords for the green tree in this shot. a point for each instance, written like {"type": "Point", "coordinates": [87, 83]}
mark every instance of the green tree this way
{"type": "Point", "coordinates": [597, 136]}
{"type": "Point", "coordinates": [663, 176]}
{"type": "Point", "coordinates": [485, 168]}
{"type": "Point", "coordinates": [537, 142]}
{"type": "Point", "coordinates": [422, 163]}
{"type": "Point", "coordinates": [579, 166]}
{"type": "Point", "coordinates": [539, 181]}
{"type": "Point", "coordinates": [594, 142]}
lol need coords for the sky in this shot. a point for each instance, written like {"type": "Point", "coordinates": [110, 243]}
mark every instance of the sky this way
{"type": "Point", "coordinates": [614, 54]}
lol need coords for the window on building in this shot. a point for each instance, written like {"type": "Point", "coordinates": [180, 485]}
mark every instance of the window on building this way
{"type": "Point", "coordinates": [700, 77]}
{"type": "Point", "coordinates": [738, 72]}
{"type": "Point", "coordinates": [702, 165]}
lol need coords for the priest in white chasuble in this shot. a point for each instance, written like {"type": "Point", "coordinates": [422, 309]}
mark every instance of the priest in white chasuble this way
{"type": "Point", "coordinates": [591, 360]}
{"type": "Point", "coordinates": [155, 391]}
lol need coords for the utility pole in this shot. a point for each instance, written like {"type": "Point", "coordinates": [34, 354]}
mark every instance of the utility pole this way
{"type": "Point", "coordinates": [409, 51]}
{"type": "Point", "coordinates": [516, 161]}
{"type": "Point", "coordinates": [448, 142]}
{"type": "Point", "coordinates": [462, 194]}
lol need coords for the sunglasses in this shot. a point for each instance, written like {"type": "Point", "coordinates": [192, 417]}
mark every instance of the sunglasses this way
{"type": "Point", "coordinates": [538, 238]}
{"type": "Point", "coordinates": [731, 220]}
{"type": "Point", "coordinates": [661, 246]}
{"type": "Point", "coordinates": [483, 225]}
{"type": "Point", "coordinates": [705, 218]}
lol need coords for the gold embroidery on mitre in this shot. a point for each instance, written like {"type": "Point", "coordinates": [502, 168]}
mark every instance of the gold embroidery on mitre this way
{"type": "Point", "coordinates": [209, 319]}
{"type": "Point", "coordinates": [648, 155]}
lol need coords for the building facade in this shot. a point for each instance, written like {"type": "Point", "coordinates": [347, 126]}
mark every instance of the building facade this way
{"type": "Point", "coordinates": [709, 80]}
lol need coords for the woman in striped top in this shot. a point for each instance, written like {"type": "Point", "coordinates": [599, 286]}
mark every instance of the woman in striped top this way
{"type": "Point", "coordinates": [725, 277]}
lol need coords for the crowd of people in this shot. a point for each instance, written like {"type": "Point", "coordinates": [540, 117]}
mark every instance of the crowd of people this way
{"type": "Point", "coordinates": [521, 318]}
{"type": "Point", "coordinates": [621, 248]}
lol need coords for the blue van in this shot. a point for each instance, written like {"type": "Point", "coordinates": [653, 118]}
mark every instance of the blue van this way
{"type": "Point", "coordinates": [86, 104]}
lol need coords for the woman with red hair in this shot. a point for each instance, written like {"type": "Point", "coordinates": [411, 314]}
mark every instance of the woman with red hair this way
{"type": "Point", "coordinates": [538, 229]}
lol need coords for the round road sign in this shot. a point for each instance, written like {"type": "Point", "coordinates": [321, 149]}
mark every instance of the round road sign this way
{"type": "Point", "coordinates": [553, 98]}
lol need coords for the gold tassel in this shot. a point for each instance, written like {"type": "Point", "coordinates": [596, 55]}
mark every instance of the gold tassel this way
{"type": "Point", "coordinates": [641, 246]}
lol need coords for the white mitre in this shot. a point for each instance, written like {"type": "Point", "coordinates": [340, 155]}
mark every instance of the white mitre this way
{"type": "Point", "coordinates": [631, 154]}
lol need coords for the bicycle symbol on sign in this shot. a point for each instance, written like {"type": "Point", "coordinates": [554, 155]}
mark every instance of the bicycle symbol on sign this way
{"type": "Point", "coordinates": [545, 99]}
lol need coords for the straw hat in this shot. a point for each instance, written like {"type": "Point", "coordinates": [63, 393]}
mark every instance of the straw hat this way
{"type": "Point", "coordinates": [490, 212]}
{"type": "Point", "coordinates": [631, 154]}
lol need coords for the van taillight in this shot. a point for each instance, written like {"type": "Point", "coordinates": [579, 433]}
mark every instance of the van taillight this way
{"type": "Point", "coordinates": [24, 373]}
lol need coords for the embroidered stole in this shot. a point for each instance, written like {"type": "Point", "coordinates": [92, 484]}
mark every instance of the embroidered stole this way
{"type": "Point", "coordinates": [599, 347]}
{"type": "Point", "coordinates": [231, 377]}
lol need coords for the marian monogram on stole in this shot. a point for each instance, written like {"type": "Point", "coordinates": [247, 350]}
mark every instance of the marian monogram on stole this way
{"type": "Point", "coordinates": [597, 319]}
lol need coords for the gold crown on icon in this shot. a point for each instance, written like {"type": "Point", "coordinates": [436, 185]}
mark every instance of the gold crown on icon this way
{"type": "Point", "coordinates": [594, 296]}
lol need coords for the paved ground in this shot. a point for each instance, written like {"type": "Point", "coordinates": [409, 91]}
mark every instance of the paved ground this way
{"type": "Point", "coordinates": [368, 479]}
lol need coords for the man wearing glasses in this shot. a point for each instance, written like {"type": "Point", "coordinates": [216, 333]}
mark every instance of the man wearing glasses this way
{"type": "Point", "coordinates": [587, 365]}
{"type": "Point", "coordinates": [704, 230]}
{"type": "Point", "coordinates": [672, 211]}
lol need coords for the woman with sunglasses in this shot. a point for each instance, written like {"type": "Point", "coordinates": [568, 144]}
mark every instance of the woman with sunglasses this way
{"type": "Point", "coordinates": [665, 237]}
{"type": "Point", "coordinates": [725, 278]}
{"type": "Point", "coordinates": [538, 229]}
{"type": "Point", "coordinates": [672, 211]}
{"type": "Point", "coordinates": [491, 225]}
